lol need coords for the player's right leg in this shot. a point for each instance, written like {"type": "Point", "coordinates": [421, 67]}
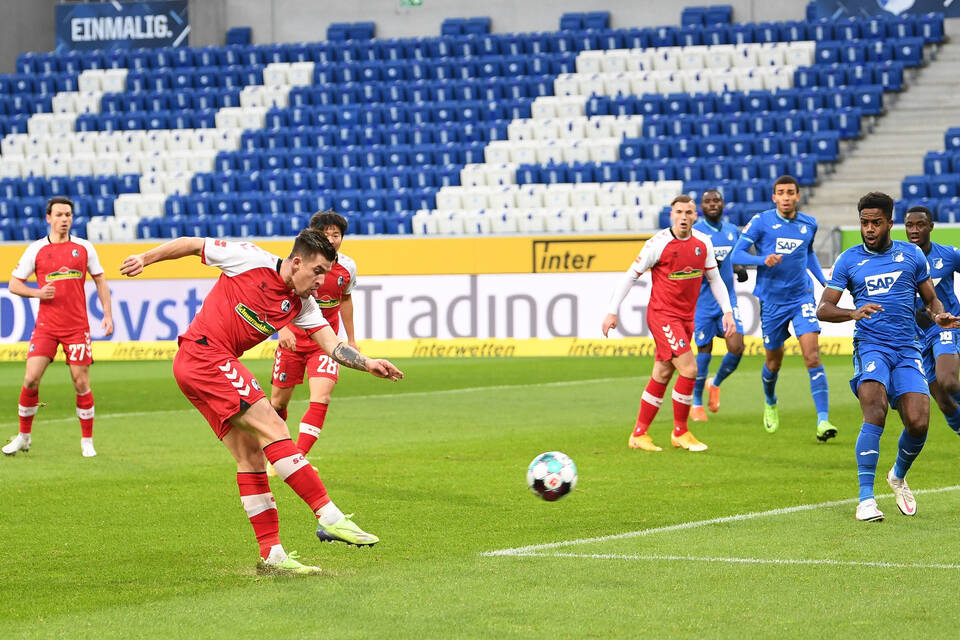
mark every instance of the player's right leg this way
{"type": "Point", "coordinates": [872, 394]}
{"type": "Point", "coordinates": [728, 364]}
{"type": "Point", "coordinates": [30, 395]}
{"type": "Point", "coordinates": [945, 385]}
{"type": "Point", "coordinates": [703, 333]}
{"type": "Point", "coordinates": [322, 375]}
{"type": "Point", "coordinates": [775, 322]}
{"type": "Point", "coordinates": [681, 437]}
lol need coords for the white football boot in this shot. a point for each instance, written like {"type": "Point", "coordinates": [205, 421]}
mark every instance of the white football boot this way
{"type": "Point", "coordinates": [905, 500]}
{"type": "Point", "coordinates": [20, 442]}
{"type": "Point", "coordinates": [867, 511]}
{"type": "Point", "coordinates": [86, 448]}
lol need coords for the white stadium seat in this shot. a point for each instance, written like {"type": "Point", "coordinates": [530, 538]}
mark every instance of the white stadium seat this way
{"type": "Point", "coordinates": [531, 221]}
{"type": "Point", "coordinates": [424, 223]}
{"type": "Point", "coordinates": [612, 219]}
{"type": "Point", "coordinates": [585, 220]}
{"type": "Point", "coordinates": [559, 221]}
{"type": "Point", "coordinates": [531, 196]}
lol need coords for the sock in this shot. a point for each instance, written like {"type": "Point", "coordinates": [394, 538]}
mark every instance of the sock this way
{"type": "Point", "coordinates": [682, 398]}
{"type": "Point", "coordinates": [820, 392]}
{"type": "Point", "coordinates": [282, 413]}
{"type": "Point", "coordinates": [769, 384]}
{"type": "Point", "coordinates": [868, 453]}
{"type": "Point", "coordinates": [294, 469]}
{"type": "Point", "coordinates": [27, 408]}
{"type": "Point", "coordinates": [908, 448]}
{"type": "Point", "coordinates": [650, 403]}
{"type": "Point", "coordinates": [261, 508]}
{"type": "Point", "coordinates": [85, 413]}
{"type": "Point", "coordinates": [329, 514]}
{"type": "Point", "coordinates": [310, 426]}
{"type": "Point", "coordinates": [728, 365]}
{"type": "Point", "coordinates": [703, 367]}
{"type": "Point", "coordinates": [954, 421]}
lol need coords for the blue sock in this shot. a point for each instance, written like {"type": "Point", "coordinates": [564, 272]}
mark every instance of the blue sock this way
{"type": "Point", "coordinates": [908, 448]}
{"type": "Point", "coordinates": [769, 384]}
{"type": "Point", "coordinates": [727, 366]}
{"type": "Point", "coordinates": [954, 421]}
{"type": "Point", "coordinates": [703, 366]}
{"type": "Point", "coordinates": [868, 453]}
{"type": "Point", "coordinates": [820, 392]}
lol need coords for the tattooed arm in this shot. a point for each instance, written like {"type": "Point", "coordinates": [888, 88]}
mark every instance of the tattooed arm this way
{"type": "Point", "coordinates": [350, 357]}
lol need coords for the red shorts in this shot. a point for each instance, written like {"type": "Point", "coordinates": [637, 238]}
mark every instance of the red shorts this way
{"type": "Point", "coordinates": [289, 366]}
{"type": "Point", "coordinates": [217, 384]}
{"type": "Point", "coordinates": [76, 346]}
{"type": "Point", "coordinates": [671, 335]}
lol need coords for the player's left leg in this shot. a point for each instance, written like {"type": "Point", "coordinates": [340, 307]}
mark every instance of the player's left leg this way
{"type": "Point", "coordinates": [323, 373]}
{"type": "Point", "coordinates": [872, 394]}
{"type": "Point", "coordinates": [686, 366]}
{"type": "Point", "coordinates": [80, 374]}
{"type": "Point", "coordinates": [914, 411]}
{"type": "Point", "coordinates": [946, 387]}
{"type": "Point", "coordinates": [728, 364]}
{"type": "Point", "coordinates": [704, 330]}
{"type": "Point", "coordinates": [810, 348]}
{"type": "Point", "coordinates": [29, 401]}
{"type": "Point", "coordinates": [775, 324]}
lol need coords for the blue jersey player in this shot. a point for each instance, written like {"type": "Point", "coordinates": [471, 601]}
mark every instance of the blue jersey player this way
{"type": "Point", "coordinates": [884, 276]}
{"type": "Point", "coordinates": [708, 319]}
{"type": "Point", "coordinates": [783, 240]}
{"type": "Point", "coordinates": [941, 358]}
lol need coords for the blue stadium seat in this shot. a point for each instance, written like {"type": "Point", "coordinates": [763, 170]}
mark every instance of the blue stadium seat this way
{"type": "Point", "coordinates": [915, 187]}
{"type": "Point", "coordinates": [951, 139]}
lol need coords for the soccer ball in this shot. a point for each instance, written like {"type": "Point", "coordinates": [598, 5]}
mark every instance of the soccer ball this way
{"type": "Point", "coordinates": [552, 475]}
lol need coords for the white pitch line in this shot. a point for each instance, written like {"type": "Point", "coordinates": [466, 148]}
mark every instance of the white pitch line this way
{"type": "Point", "coordinates": [533, 548]}
{"type": "Point", "coordinates": [781, 561]}
{"type": "Point", "coordinates": [392, 396]}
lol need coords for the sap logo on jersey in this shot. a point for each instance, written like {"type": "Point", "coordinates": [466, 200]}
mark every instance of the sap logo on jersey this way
{"type": "Point", "coordinates": [788, 245]}
{"type": "Point", "coordinates": [721, 253]}
{"type": "Point", "coordinates": [881, 282]}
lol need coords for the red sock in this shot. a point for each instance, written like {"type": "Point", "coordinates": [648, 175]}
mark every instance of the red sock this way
{"type": "Point", "coordinates": [649, 405]}
{"type": "Point", "coordinates": [282, 413]}
{"type": "Point", "coordinates": [261, 508]}
{"type": "Point", "coordinates": [310, 426]}
{"type": "Point", "coordinates": [27, 408]}
{"type": "Point", "coordinates": [85, 413]}
{"type": "Point", "coordinates": [290, 465]}
{"type": "Point", "coordinates": [682, 399]}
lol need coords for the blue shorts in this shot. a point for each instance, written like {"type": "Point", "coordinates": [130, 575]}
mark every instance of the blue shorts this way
{"type": "Point", "coordinates": [937, 344]}
{"type": "Point", "coordinates": [775, 321]}
{"type": "Point", "coordinates": [899, 369]}
{"type": "Point", "coordinates": [708, 326]}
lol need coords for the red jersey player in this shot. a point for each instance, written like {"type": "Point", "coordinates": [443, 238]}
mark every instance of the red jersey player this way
{"type": "Point", "coordinates": [678, 259]}
{"type": "Point", "coordinates": [61, 262]}
{"type": "Point", "coordinates": [297, 353]}
{"type": "Point", "coordinates": [258, 293]}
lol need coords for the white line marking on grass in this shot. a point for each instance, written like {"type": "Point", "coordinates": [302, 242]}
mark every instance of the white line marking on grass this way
{"type": "Point", "coordinates": [786, 561]}
{"type": "Point", "coordinates": [533, 548]}
{"type": "Point", "coordinates": [339, 399]}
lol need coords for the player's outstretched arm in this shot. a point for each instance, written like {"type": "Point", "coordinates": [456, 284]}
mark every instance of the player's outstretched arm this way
{"type": "Point", "coordinates": [813, 266]}
{"type": "Point", "coordinates": [350, 357]}
{"type": "Point", "coordinates": [828, 311]}
{"type": "Point", "coordinates": [20, 288]}
{"type": "Point", "coordinates": [178, 248]}
{"type": "Point", "coordinates": [935, 308]}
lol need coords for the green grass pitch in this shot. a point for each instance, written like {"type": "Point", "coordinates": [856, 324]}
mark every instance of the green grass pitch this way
{"type": "Point", "coordinates": [149, 538]}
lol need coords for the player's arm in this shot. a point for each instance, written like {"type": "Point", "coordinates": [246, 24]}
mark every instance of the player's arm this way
{"type": "Point", "coordinates": [742, 256]}
{"type": "Point", "coordinates": [350, 357]}
{"type": "Point", "coordinates": [813, 266]}
{"type": "Point", "coordinates": [829, 311]}
{"type": "Point", "coordinates": [22, 289]}
{"type": "Point", "coordinates": [103, 292]}
{"type": "Point", "coordinates": [722, 296]}
{"type": "Point", "coordinates": [286, 339]}
{"type": "Point", "coordinates": [346, 317]}
{"type": "Point", "coordinates": [934, 307]}
{"type": "Point", "coordinates": [613, 309]}
{"type": "Point", "coordinates": [173, 250]}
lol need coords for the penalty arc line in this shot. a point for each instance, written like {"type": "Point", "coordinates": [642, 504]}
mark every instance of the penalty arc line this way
{"type": "Point", "coordinates": [532, 550]}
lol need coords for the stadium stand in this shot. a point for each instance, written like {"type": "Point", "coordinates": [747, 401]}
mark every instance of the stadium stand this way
{"type": "Point", "coordinates": [584, 129]}
{"type": "Point", "coordinates": [938, 188]}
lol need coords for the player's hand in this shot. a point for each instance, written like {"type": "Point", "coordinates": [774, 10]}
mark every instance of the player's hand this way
{"type": "Point", "coordinates": [773, 259]}
{"type": "Point", "coordinates": [947, 320]}
{"type": "Point", "coordinates": [47, 291]}
{"type": "Point", "coordinates": [742, 275]}
{"type": "Point", "coordinates": [107, 325]}
{"type": "Point", "coordinates": [610, 322]}
{"type": "Point", "coordinates": [132, 265]}
{"type": "Point", "coordinates": [866, 311]}
{"type": "Point", "coordinates": [729, 326]}
{"type": "Point", "coordinates": [383, 369]}
{"type": "Point", "coordinates": [287, 340]}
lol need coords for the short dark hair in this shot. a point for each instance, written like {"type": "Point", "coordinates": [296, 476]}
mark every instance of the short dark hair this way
{"type": "Point", "coordinates": [786, 179]}
{"type": "Point", "coordinates": [681, 198]}
{"type": "Point", "coordinates": [59, 200]}
{"type": "Point", "coordinates": [329, 218]}
{"type": "Point", "coordinates": [877, 200]}
{"type": "Point", "coordinates": [311, 242]}
{"type": "Point", "coordinates": [919, 208]}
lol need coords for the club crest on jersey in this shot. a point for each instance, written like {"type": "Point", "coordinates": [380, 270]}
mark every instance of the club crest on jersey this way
{"type": "Point", "coordinates": [256, 320]}
{"type": "Point", "coordinates": [898, 257]}
{"type": "Point", "coordinates": [685, 273]}
{"type": "Point", "coordinates": [340, 281]}
{"type": "Point", "coordinates": [870, 366]}
{"type": "Point", "coordinates": [285, 306]}
{"type": "Point", "coordinates": [938, 263]}
{"type": "Point", "coordinates": [881, 282]}
{"type": "Point", "coordinates": [64, 273]}
{"type": "Point", "coordinates": [75, 253]}
{"type": "Point", "coordinates": [282, 377]}
{"type": "Point", "coordinates": [776, 226]}
{"type": "Point", "coordinates": [696, 250]}
{"type": "Point", "coordinates": [803, 228]}
{"type": "Point", "coordinates": [730, 236]}
{"type": "Point", "coordinates": [255, 384]}
{"type": "Point", "coordinates": [788, 245]}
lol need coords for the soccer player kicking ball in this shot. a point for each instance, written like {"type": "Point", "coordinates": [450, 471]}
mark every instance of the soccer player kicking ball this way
{"type": "Point", "coordinates": [297, 353]}
{"type": "Point", "coordinates": [258, 293]}
{"type": "Point", "coordinates": [677, 258]}
{"type": "Point", "coordinates": [61, 262]}
{"type": "Point", "coordinates": [884, 276]}
{"type": "Point", "coordinates": [783, 239]}
{"type": "Point", "coordinates": [707, 321]}
{"type": "Point", "coordinates": [941, 359]}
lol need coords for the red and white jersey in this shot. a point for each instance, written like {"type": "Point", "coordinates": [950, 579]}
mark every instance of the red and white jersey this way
{"type": "Point", "coordinates": [250, 301]}
{"type": "Point", "coordinates": [66, 265]}
{"type": "Point", "coordinates": [339, 282]}
{"type": "Point", "coordinates": [677, 267]}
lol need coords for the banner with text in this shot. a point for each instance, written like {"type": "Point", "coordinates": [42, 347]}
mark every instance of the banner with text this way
{"type": "Point", "coordinates": [121, 25]}
{"type": "Point", "coordinates": [856, 8]}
